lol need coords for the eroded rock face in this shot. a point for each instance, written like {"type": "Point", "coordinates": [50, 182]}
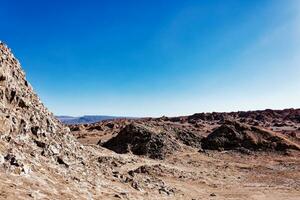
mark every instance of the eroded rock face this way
{"type": "Point", "coordinates": [21, 111]}
{"type": "Point", "coordinates": [26, 126]}
{"type": "Point", "coordinates": [234, 135]}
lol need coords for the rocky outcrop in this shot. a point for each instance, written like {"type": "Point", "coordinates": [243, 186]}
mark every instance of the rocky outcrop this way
{"type": "Point", "coordinates": [152, 140]}
{"type": "Point", "coordinates": [26, 125]}
{"type": "Point", "coordinates": [234, 135]}
{"type": "Point", "coordinates": [30, 135]}
{"type": "Point", "coordinates": [187, 137]}
{"type": "Point", "coordinates": [21, 111]}
{"type": "Point", "coordinates": [142, 140]}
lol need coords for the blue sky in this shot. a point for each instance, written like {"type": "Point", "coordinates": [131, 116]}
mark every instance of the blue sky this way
{"type": "Point", "coordinates": [154, 57]}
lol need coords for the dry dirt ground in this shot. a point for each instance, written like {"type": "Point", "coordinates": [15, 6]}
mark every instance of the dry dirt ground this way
{"type": "Point", "coordinates": [187, 175]}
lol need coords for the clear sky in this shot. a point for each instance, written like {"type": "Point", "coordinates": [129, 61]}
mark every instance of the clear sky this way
{"type": "Point", "coordinates": [157, 57]}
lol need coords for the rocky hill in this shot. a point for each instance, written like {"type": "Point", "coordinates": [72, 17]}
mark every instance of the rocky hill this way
{"type": "Point", "coordinates": [244, 155]}
{"type": "Point", "coordinates": [34, 145]}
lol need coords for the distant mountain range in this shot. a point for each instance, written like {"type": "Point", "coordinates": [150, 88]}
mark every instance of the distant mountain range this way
{"type": "Point", "coordinates": [86, 119]}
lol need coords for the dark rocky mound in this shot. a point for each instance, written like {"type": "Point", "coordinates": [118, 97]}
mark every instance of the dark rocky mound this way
{"type": "Point", "coordinates": [143, 140]}
{"type": "Point", "coordinates": [188, 137]}
{"type": "Point", "coordinates": [234, 135]}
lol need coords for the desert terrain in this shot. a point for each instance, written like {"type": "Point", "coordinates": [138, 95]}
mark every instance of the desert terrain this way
{"type": "Point", "coordinates": [237, 155]}
{"type": "Point", "coordinates": [197, 172]}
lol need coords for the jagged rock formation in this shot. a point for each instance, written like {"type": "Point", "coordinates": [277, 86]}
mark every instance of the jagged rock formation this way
{"type": "Point", "coordinates": [21, 109]}
{"type": "Point", "coordinates": [32, 141]}
{"type": "Point", "coordinates": [26, 125]}
{"type": "Point", "coordinates": [234, 135]}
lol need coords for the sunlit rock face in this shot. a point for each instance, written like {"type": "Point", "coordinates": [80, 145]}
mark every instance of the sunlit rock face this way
{"type": "Point", "coordinates": [28, 131]}
{"type": "Point", "coordinates": [21, 111]}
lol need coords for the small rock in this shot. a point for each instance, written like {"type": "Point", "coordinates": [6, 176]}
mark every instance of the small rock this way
{"type": "Point", "coordinates": [213, 195]}
{"type": "Point", "coordinates": [117, 196]}
{"type": "Point", "coordinates": [136, 186]}
{"type": "Point", "coordinates": [26, 169]}
{"type": "Point", "coordinates": [54, 150]}
{"type": "Point", "coordinates": [2, 160]}
{"type": "Point", "coordinates": [62, 162]}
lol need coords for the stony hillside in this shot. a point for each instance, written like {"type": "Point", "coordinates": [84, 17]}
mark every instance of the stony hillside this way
{"type": "Point", "coordinates": [34, 144]}
{"type": "Point", "coordinates": [26, 125]}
